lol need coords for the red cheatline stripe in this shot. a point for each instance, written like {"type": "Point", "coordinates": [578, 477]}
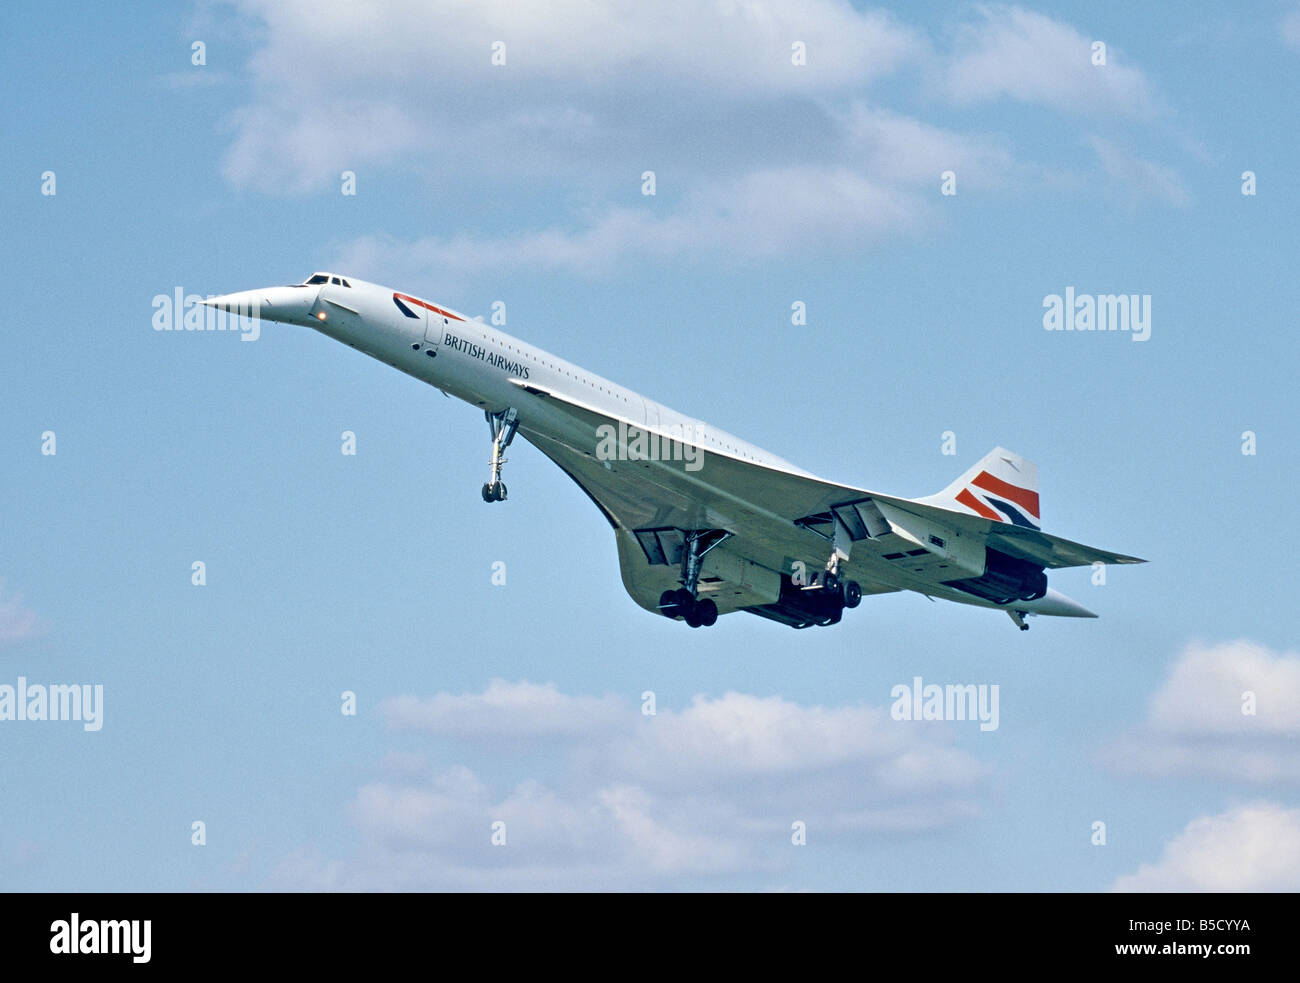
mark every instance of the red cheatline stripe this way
{"type": "Point", "coordinates": [427, 306]}
{"type": "Point", "coordinates": [1021, 496]}
{"type": "Point", "coordinates": [971, 502]}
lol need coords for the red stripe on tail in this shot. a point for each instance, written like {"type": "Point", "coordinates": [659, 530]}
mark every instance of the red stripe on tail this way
{"type": "Point", "coordinates": [973, 503]}
{"type": "Point", "coordinates": [1021, 496]}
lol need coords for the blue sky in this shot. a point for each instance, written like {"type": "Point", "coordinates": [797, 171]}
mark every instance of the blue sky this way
{"type": "Point", "coordinates": [521, 183]}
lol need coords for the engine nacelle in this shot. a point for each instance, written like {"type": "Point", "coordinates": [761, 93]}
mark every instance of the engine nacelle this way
{"type": "Point", "coordinates": [803, 607]}
{"type": "Point", "coordinates": [1005, 579]}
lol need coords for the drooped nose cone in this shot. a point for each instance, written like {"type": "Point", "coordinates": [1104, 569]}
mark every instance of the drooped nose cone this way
{"type": "Point", "coordinates": [290, 304]}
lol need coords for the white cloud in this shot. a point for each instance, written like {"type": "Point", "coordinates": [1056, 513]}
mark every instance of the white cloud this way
{"type": "Point", "coordinates": [907, 151]}
{"type": "Point", "coordinates": [1290, 28]}
{"type": "Point", "coordinates": [1203, 694]}
{"type": "Point", "coordinates": [762, 214]}
{"type": "Point", "coordinates": [735, 45]}
{"type": "Point", "coordinates": [348, 86]}
{"type": "Point", "coordinates": [708, 790]}
{"type": "Point", "coordinates": [502, 710]}
{"type": "Point", "coordinates": [738, 736]}
{"type": "Point", "coordinates": [1019, 54]}
{"type": "Point", "coordinates": [680, 843]}
{"type": "Point", "coordinates": [16, 621]}
{"type": "Point", "coordinates": [1140, 178]}
{"type": "Point", "coordinates": [1198, 722]}
{"type": "Point", "coordinates": [296, 151]}
{"type": "Point", "coordinates": [1254, 847]}
{"type": "Point", "coordinates": [756, 158]}
{"type": "Point", "coordinates": [429, 814]}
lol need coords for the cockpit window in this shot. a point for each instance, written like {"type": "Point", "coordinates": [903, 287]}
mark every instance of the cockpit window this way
{"type": "Point", "coordinates": [336, 281]}
{"type": "Point", "coordinates": [346, 284]}
{"type": "Point", "coordinates": [318, 278]}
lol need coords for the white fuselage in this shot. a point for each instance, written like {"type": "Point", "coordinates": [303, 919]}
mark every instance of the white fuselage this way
{"type": "Point", "coordinates": [509, 378]}
{"type": "Point", "coordinates": [475, 362]}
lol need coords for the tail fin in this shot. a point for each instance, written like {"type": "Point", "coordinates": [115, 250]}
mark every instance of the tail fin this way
{"type": "Point", "coordinates": [1003, 487]}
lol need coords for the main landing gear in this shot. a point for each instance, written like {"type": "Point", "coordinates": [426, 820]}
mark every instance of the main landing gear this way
{"type": "Point", "coordinates": [849, 592]}
{"type": "Point", "coordinates": [834, 592]}
{"type": "Point", "coordinates": [502, 426]}
{"type": "Point", "coordinates": [823, 601]}
{"type": "Point", "coordinates": [682, 602]}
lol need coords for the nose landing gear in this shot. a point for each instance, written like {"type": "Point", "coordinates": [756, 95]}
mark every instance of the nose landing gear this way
{"type": "Point", "coordinates": [502, 426]}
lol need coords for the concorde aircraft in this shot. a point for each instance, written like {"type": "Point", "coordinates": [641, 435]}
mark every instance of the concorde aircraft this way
{"type": "Point", "coordinates": [706, 523]}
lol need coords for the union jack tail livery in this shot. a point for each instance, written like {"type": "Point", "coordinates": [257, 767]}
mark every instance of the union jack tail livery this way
{"type": "Point", "coordinates": [1003, 487]}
